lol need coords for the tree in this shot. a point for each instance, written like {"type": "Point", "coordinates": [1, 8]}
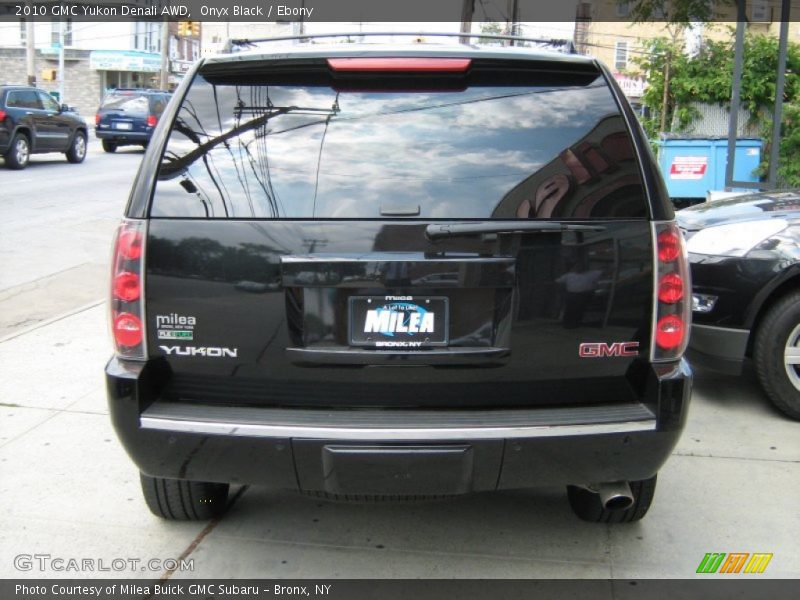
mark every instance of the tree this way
{"type": "Point", "coordinates": [679, 12]}
{"type": "Point", "coordinates": [708, 77]}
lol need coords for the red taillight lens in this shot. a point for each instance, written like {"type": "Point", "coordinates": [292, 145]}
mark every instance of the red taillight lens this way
{"type": "Point", "coordinates": [127, 291]}
{"type": "Point", "coordinates": [673, 314]}
{"type": "Point", "coordinates": [669, 332]}
{"type": "Point", "coordinates": [97, 119]}
{"type": "Point", "coordinates": [407, 64]}
{"type": "Point", "coordinates": [127, 330]}
{"type": "Point", "coordinates": [126, 286]}
{"type": "Point", "coordinates": [152, 120]}
{"type": "Point", "coordinates": [669, 246]}
{"type": "Point", "coordinates": [2, 116]}
{"type": "Point", "coordinates": [670, 288]}
{"type": "Point", "coordinates": [129, 245]}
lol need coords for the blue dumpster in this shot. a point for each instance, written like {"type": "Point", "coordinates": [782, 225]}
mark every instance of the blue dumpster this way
{"type": "Point", "coordinates": [692, 167]}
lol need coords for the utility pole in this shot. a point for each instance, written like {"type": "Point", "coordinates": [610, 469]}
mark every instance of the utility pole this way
{"type": "Point", "coordinates": [164, 55]}
{"type": "Point", "coordinates": [467, 10]}
{"type": "Point", "coordinates": [30, 52]}
{"type": "Point", "coordinates": [513, 17]}
{"type": "Point", "coordinates": [665, 96]}
{"type": "Point", "coordinates": [61, 73]}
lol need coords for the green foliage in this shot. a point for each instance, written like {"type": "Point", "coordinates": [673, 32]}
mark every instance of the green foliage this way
{"type": "Point", "coordinates": [789, 161]}
{"type": "Point", "coordinates": [708, 77]}
{"type": "Point", "coordinates": [674, 11]}
{"type": "Point", "coordinates": [490, 28]}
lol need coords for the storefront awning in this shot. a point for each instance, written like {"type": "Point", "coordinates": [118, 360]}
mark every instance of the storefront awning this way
{"type": "Point", "coordinates": [125, 60]}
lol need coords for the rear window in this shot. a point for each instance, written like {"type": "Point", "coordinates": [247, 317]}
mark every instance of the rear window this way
{"type": "Point", "coordinates": [127, 102]}
{"type": "Point", "coordinates": [494, 147]}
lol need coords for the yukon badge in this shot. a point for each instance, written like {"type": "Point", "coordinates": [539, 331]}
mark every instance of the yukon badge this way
{"type": "Point", "coordinates": [209, 351]}
{"type": "Point", "coordinates": [601, 349]}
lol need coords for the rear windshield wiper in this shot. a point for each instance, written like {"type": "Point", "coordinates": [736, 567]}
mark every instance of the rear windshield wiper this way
{"type": "Point", "coordinates": [445, 230]}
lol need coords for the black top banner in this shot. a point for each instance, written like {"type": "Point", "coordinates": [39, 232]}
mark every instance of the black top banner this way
{"type": "Point", "coordinates": [385, 10]}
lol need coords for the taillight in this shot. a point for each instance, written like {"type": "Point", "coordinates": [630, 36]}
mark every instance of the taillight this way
{"type": "Point", "coordinates": [128, 330]}
{"type": "Point", "coordinates": [670, 332]}
{"type": "Point", "coordinates": [2, 116]}
{"type": "Point", "coordinates": [670, 288]}
{"type": "Point", "coordinates": [97, 119]}
{"type": "Point", "coordinates": [669, 245]}
{"type": "Point", "coordinates": [127, 293]}
{"type": "Point", "coordinates": [673, 291]}
{"type": "Point", "coordinates": [401, 64]}
{"type": "Point", "coordinates": [152, 120]}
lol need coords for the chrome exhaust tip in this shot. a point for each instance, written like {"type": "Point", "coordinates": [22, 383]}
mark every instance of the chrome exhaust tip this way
{"type": "Point", "coordinates": [616, 495]}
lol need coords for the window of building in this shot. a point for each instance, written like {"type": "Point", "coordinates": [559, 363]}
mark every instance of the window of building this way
{"type": "Point", "coordinates": [623, 9]}
{"type": "Point", "coordinates": [55, 32]}
{"type": "Point", "coordinates": [621, 56]}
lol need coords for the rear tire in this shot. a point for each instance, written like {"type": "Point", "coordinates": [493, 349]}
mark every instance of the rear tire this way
{"type": "Point", "coordinates": [109, 146]}
{"type": "Point", "coordinates": [77, 149]}
{"type": "Point", "coordinates": [180, 500]}
{"type": "Point", "coordinates": [777, 337]}
{"type": "Point", "coordinates": [587, 506]}
{"type": "Point", "coordinates": [19, 153]}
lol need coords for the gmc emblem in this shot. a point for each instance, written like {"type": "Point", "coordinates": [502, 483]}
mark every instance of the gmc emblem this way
{"type": "Point", "coordinates": [601, 349]}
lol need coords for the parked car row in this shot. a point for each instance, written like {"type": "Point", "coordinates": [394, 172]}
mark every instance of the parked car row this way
{"type": "Point", "coordinates": [32, 122]}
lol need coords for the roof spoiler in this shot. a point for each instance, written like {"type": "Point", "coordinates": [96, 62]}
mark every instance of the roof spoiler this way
{"type": "Point", "coordinates": [239, 44]}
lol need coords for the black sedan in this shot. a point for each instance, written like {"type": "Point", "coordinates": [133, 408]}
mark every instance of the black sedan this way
{"type": "Point", "coordinates": [745, 260]}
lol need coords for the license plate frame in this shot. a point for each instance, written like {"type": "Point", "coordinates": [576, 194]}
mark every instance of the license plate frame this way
{"type": "Point", "coordinates": [438, 307]}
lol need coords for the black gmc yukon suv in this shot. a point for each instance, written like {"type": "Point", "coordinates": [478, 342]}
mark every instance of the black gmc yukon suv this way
{"type": "Point", "coordinates": [398, 272]}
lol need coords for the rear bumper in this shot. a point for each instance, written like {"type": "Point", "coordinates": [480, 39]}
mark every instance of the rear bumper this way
{"type": "Point", "coordinates": [718, 348]}
{"type": "Point", "coordinates": [398, 452]}
{"type": "Point", "coordinates": [122, 137]}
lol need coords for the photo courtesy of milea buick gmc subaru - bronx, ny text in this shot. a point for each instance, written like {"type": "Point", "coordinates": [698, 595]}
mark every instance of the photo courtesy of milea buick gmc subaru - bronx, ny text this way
{"type": "Point", "coordinates": [370, 271]}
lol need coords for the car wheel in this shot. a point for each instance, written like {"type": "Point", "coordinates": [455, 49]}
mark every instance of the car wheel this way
{"type": "Point", "coordinates": [77, 150]}
{"type": "Point", "coordinates": [776, 354]}
{"type": "Point", "coordinates": [19, 154]}
{"type": "Point", "coordinates": [109, 146]}
{"type": "Point", "coordinates": [180, 500]}
{"type": "Point", "coordinates": [587, 506]}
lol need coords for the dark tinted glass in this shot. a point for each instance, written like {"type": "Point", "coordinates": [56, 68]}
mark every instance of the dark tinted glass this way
{"type": "Point", "coordinates": [244, 149]}
{"type": "Point", "coordinates": [48, 102]}
{"type": "Point", "coordinates": [24, 99]}
{"type": "Point", "coordinates": [127, 102]}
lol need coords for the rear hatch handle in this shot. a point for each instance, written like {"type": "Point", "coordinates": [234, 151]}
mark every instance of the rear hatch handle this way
{"type": "Point", "coordinates": [440, 231]}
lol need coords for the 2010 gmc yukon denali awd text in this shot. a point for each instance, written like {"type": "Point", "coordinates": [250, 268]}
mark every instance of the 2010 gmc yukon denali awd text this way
{"type": "Point", "coordinates": [408, 271]}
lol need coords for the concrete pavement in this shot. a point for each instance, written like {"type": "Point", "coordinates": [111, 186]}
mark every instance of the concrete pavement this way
{"type": "Point", "coordinates": [67, 488]}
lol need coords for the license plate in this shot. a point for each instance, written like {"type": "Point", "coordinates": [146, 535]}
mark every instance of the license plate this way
{"type": "Point", "coordinates": [122, 126]}
{"type": "Point", "coordinates": [402, 322]}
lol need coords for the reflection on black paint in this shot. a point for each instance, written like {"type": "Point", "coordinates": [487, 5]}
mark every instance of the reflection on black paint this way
{"type": "Point", "coordinates": [206, 258]}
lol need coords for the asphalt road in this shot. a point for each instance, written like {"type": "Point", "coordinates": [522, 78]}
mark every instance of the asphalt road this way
{"type": "Point", "coordinates": [68, 490]}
